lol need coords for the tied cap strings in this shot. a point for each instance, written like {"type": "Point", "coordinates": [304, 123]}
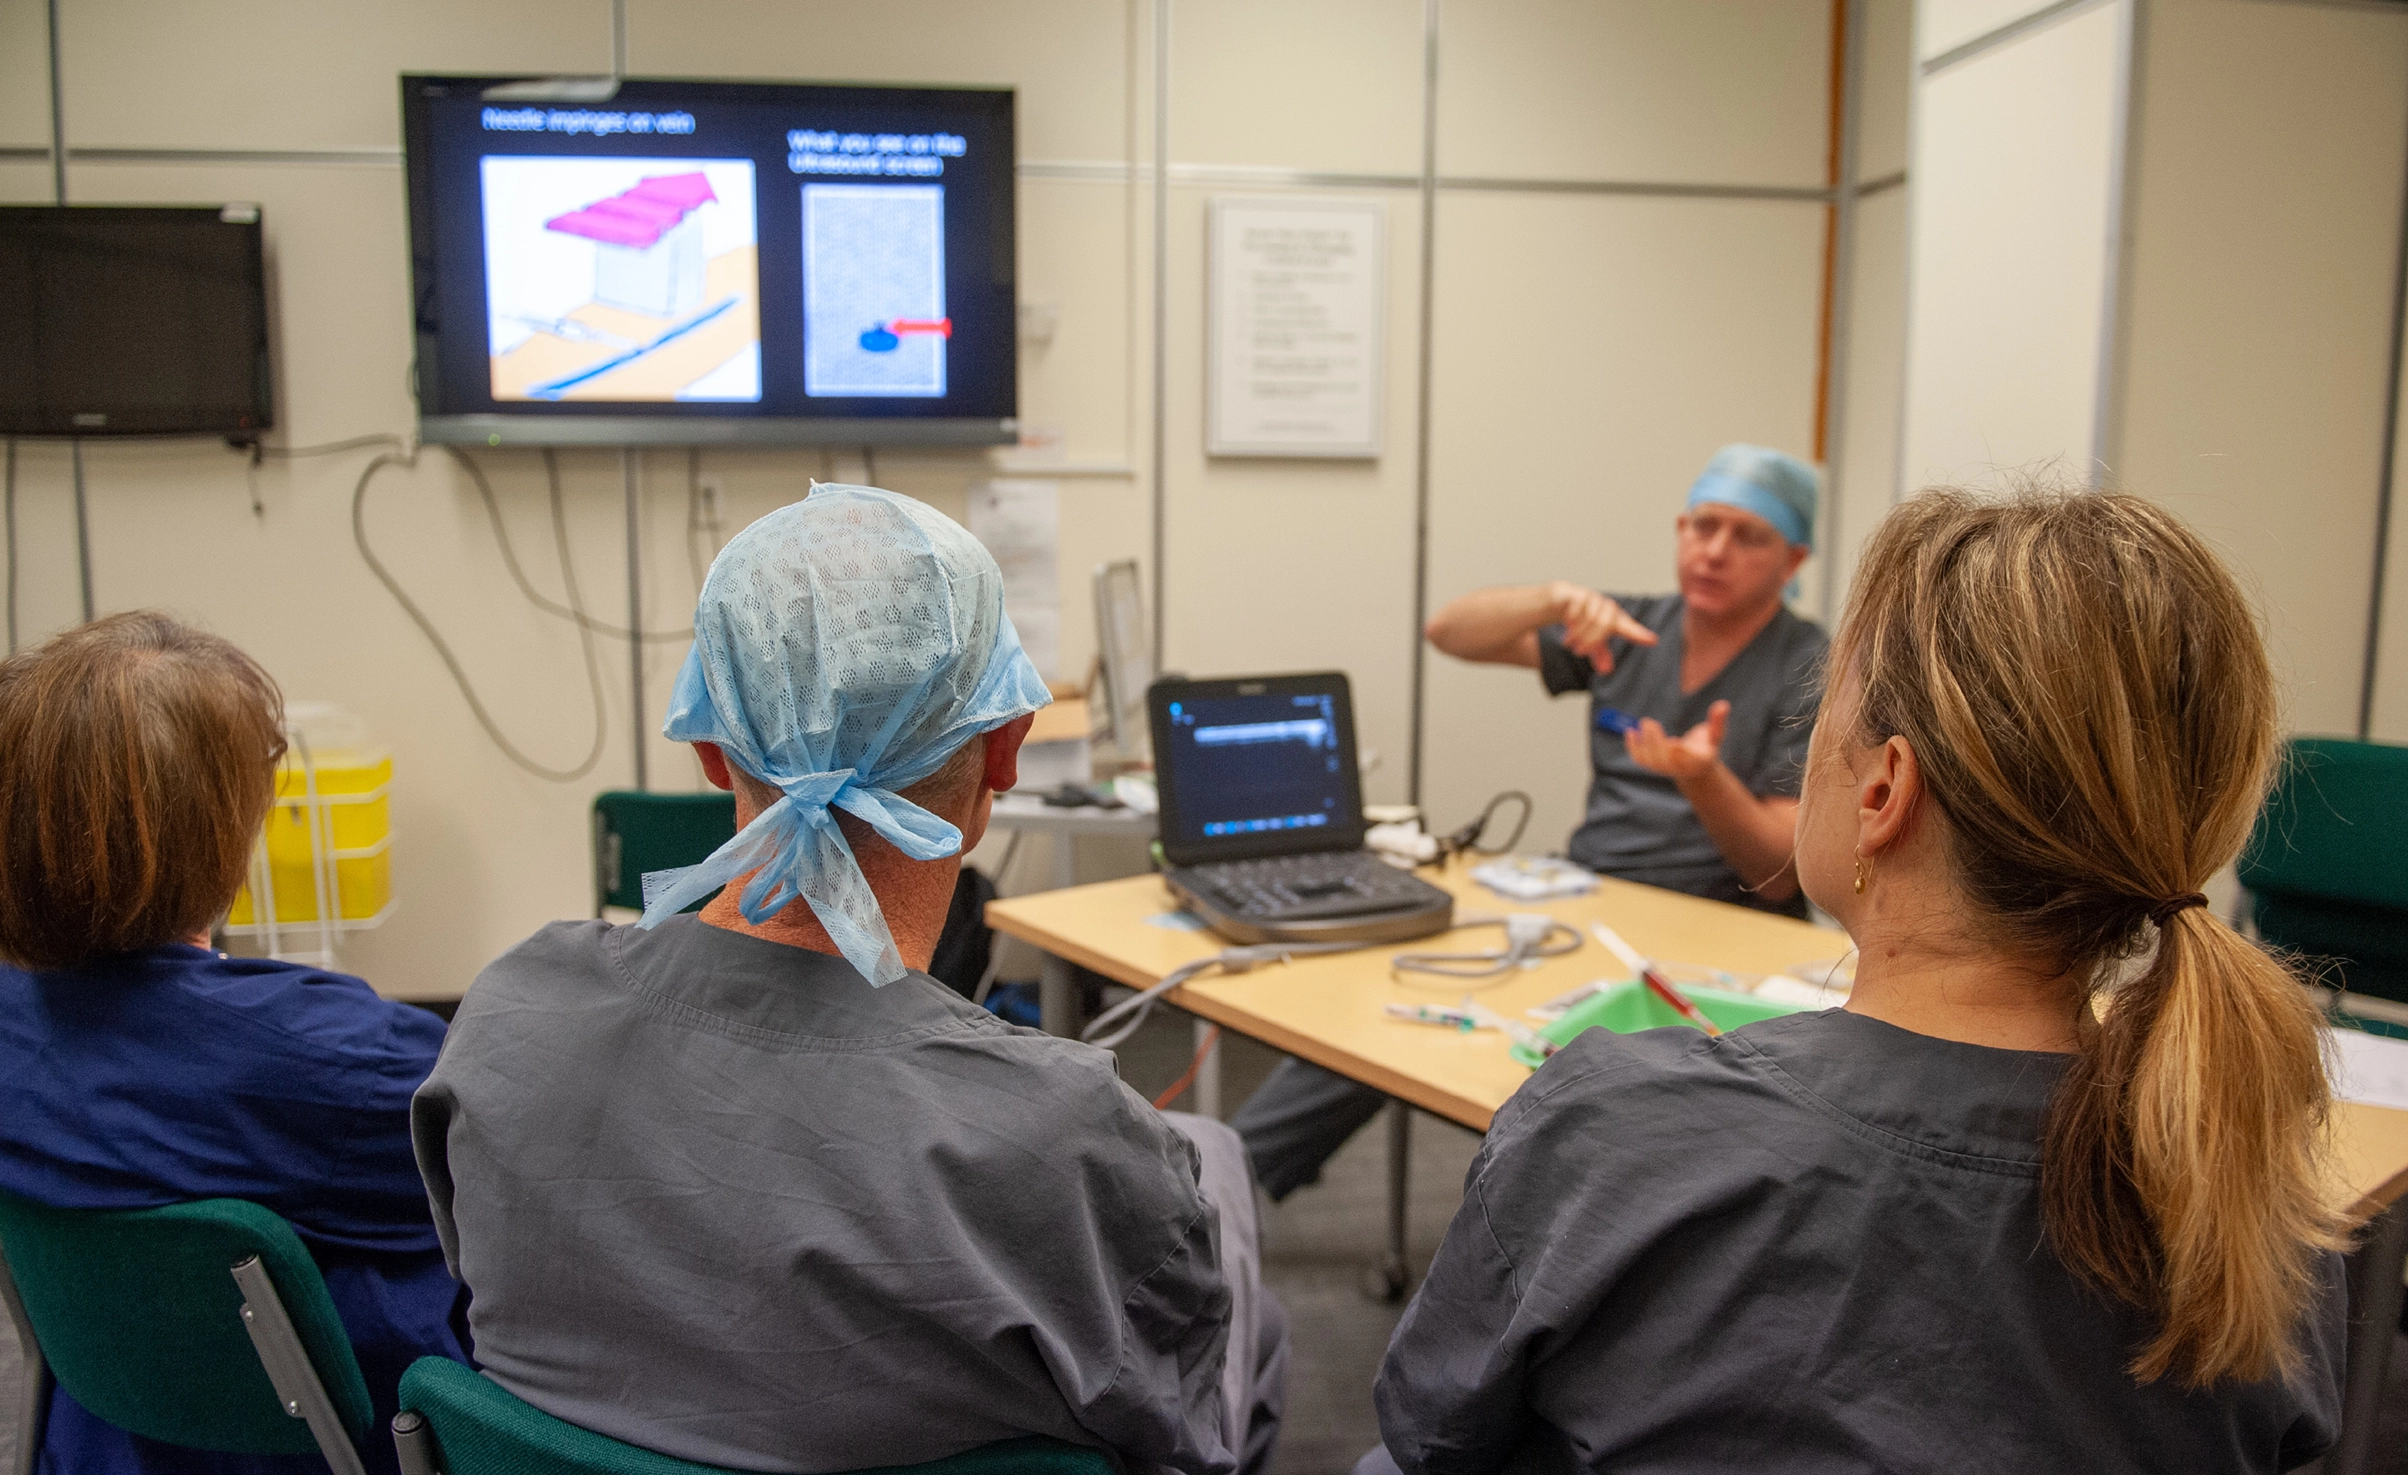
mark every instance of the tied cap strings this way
{"type": "Point", "coordinates": [845, 647]}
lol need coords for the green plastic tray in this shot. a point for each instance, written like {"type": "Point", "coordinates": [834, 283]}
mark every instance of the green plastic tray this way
{"type": "Point", "coordinates": [1627, 1008]}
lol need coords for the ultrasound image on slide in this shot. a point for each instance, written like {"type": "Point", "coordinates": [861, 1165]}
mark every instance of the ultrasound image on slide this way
{"type": "Point", "coordinates": [874, 320]}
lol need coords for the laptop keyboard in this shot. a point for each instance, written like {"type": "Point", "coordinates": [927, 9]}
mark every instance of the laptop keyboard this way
{"type": "Point", "coordinates": [1297, 887]}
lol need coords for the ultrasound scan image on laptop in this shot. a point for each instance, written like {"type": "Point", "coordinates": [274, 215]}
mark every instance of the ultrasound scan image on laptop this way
{"type": "Point", "coordinates": [1260, 773]}
{"type": "Point", "coordinates": [1262, 814]}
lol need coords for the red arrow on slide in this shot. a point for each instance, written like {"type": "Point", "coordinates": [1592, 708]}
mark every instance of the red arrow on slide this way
{"type": "Point", "coordinates": [942, 327]}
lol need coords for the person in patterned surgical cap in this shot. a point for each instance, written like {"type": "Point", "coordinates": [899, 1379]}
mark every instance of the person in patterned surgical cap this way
{"type": "Point", "coordinates": [747, 1186]}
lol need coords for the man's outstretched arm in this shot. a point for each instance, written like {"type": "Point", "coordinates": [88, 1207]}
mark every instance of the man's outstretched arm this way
{"type": "Point", "coordinates": [1501, 626]}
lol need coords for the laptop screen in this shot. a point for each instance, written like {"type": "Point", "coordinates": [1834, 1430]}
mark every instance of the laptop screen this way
{"type": "Point", "coordinates": [1256, 767]}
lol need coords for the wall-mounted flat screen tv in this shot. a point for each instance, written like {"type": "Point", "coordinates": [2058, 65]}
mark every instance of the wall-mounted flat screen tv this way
{"type": "Point", "coordinates": [681, 263]}
{"type": "Point", "coordinates": [133, 320]}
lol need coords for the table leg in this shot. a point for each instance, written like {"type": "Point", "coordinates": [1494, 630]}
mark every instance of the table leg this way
{"type": "Point", "coordinates": [2374, 1319]}
{"type": "Point", "coordinates": [1395, 1277]}
{"type": "Point", "coordinates": [1057, 998]}
{"type": "Point", "coordinates": [1208, 1074]}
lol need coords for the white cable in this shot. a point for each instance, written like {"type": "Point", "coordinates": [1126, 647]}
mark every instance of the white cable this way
{"type": "Point", "coordinates": [1529, 936]}
{"type": "Point", "coordinates": [1239, 960]}
{"type": "Point", "coordinates": [1228, 960]}
{"type": "Point", "coordinates": [443, 650]}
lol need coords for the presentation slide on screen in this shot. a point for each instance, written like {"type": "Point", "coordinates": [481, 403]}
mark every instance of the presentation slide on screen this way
{"type": "Point", "coordinates": [713, 251]}
{"type": "Point", "coordinates": [622, 278]}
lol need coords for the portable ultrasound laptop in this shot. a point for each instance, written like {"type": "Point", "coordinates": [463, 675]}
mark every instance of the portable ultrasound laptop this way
{"type": "Point", "coordinates": [1262, 815]}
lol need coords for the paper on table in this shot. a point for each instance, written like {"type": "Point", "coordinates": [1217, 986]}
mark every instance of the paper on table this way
{"type": "Point", "coordinates": [2369, 1069]}
{"type": "Point", "coordinates": [1780, 988]}
{"type": "Point", "coordinates": [1020, 522]}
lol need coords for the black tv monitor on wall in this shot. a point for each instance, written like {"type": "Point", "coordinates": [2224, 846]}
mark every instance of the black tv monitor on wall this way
{"type": "Point", "coordinates": [133, 320]}
{"type": "Point", "coordinates": [689, 263]}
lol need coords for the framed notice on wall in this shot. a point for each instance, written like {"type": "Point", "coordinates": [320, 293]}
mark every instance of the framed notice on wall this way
{"type": "Point", "coordinates": [1294, 364]}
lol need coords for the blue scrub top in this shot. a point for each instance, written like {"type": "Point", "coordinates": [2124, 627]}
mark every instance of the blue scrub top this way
{"type": "Point", "coordinates": [178, 1073]}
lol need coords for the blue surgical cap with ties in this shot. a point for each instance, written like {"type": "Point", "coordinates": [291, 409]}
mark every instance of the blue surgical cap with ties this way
{"type": "Point", "coordinates": [1775, 486]}
{"type": "Point", "coordinates": [845, 647]}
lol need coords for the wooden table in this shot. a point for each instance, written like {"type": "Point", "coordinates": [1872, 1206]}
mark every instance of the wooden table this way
{"type": "Point", "coordinates": [1328, 1010]}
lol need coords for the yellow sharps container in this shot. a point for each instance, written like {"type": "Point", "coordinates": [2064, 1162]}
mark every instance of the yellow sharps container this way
{"type": "Point", "coordinates": [330, 831]}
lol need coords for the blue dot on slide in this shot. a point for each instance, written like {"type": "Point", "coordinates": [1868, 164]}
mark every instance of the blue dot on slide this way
{"type": "Point", "coordinates": [878, 340]}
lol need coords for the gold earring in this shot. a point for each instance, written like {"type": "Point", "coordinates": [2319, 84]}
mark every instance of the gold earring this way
{"type": "Point", "coordinates": [1860, 875]}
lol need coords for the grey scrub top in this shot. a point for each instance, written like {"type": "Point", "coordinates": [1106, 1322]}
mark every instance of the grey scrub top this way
{"type": "Point", "coordinates": [1810, 1246]}
{"type": "Point", "coordinates": [720, 1198]}
{"type": "Point", "coordinates": [1638, 826]}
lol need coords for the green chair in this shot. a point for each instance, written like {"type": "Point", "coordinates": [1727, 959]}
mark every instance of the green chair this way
{"type": "Point", "coordinates": [2327, 865]}
{"type": "Point", "coordinates": [635, 833]}
{"type": "Point", "coordinates": [457, 1422]}
{"type": "Point", "coordinates": [202, 1324]}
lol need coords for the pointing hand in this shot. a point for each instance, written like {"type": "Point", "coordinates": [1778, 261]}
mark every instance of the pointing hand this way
{"type": "Point", "coordinates": [1591, 621]}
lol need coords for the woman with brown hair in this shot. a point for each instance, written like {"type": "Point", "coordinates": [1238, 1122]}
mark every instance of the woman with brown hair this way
{"type": "Point", "coordinates": [137, 1066]}
{"type": "Point", "coordinates": [2047, 1194]}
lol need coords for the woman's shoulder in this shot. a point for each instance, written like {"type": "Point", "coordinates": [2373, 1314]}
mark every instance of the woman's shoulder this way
{"type": "Point", "coordinates": [1781, 1092]}
{"type": "Point", "coordinates": [294, 1006]}
{"type": "Point", "coordinates": [1666, 1105]}
{"type": "Point", "coordinates": [1601, 1070]}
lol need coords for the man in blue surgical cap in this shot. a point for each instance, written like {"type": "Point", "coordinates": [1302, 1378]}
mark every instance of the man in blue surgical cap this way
{"type": "Point", "coordinates": [1700, 704]}
{"type": "Point", "coordinates": [1701, 700]}
{"type": "Point", "coordinates": [746, 1186]}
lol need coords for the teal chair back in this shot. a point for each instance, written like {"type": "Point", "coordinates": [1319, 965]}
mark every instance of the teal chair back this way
{"type": "Point", "coordinates": [141, 1320]}
{"type": "Point", "coordinates": [2327, 865]}
{"type": "Point", "coordinates": [635, 833]}
{"type": "Point", "coordinates": [481, 1428]}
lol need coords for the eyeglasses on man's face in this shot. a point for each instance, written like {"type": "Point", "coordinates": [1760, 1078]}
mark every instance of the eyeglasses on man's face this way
{"type": "Point", "coordinates": [1746, 531]}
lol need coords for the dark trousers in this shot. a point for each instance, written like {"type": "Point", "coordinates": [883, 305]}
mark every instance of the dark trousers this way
{"type": "Point", "coordinates": [1296, 1119]}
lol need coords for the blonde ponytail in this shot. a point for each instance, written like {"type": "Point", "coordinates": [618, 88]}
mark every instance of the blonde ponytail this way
{"type": "Point", "coordinates": [2181, 1169]}
{"type": "Point", "coordinates": [2092, 708]}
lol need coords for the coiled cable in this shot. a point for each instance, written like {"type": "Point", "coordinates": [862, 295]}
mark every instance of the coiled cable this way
{"type": "Point", "coordinates": [1529, 936]}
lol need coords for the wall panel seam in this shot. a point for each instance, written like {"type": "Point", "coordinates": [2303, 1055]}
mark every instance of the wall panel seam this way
{"type": "Point", "coordinates": [2047, 15]}
{"type": "Point", "coordinates": [1092, 171]}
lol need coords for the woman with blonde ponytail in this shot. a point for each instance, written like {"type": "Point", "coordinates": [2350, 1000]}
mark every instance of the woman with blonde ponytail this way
{"type": "Point", "coordinates": [2048, 1194]}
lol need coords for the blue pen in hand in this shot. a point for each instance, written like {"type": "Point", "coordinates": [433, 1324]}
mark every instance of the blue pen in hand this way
{"type": "Point", "coordinates": [1610, 719]}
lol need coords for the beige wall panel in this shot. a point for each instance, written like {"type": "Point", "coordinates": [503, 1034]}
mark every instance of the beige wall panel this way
{"type": "Point", "coordinates": [46, 579]}
{"type": "Point", "coordinates": [24, 75]}
{"type": "Point", "coordinates": [24, 182]}
{"type": "Point", "coordinates": [1888, 79]}
{"type": "Point", "coordinates": [1070, 58]}
{"type": "Point", "coordinates": [1876, 366]}
{"type": "Point", "coordinates": [2014, 151]}
{"type": "Point", "coordinates": [2269, 207]}
{"type": "Point", "coordinates": [1730, 93]}
{"type": "Point", "coordinates": [2390, 724]}
{"type": "Point", "coordinates": [1588, 364]}
{"type": "Point", "coordinates": [1080, 259]}
{"type": "Point", "coordinates": [292, 74]}
{"type": "Point", "coordinates": [283, 74]}
{"type": "Point", "coordinates": [1332, 86]}
{"type": "Point", "coordinates": [1076, 244]}
{"type": "Point", "coordinates": [1291, 564]}
{"type": "Point", "coordinates": [1877, 329]}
